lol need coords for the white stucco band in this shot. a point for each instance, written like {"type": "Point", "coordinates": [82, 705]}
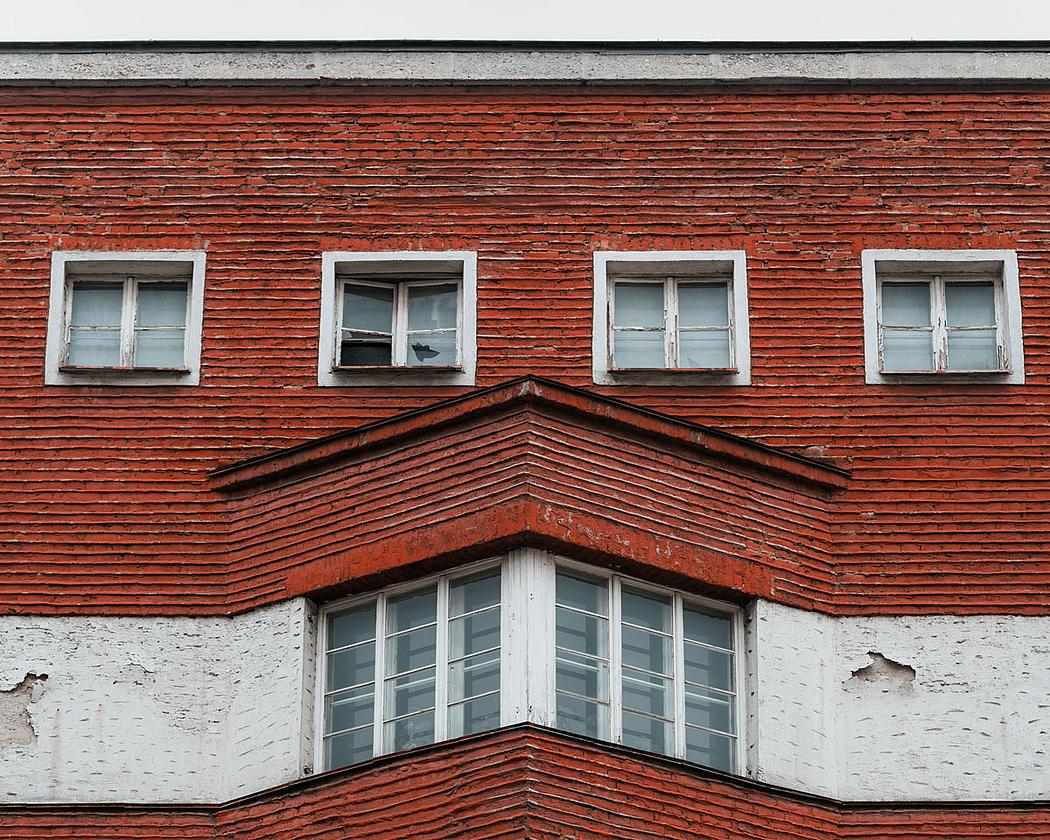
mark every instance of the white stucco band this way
{"type": "Point", "coordinates": [900, 708]}
{"type": "Point", "coordinates": [154, 709]}
{"type": "Point", "coordinates": [206, 709]}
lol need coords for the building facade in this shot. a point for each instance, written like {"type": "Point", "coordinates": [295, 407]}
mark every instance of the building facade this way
{"type": "Point", "coordinates": [525, 441]}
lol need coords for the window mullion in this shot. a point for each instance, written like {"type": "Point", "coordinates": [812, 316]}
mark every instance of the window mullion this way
{"type": "Point", "coordinates": [399, 327]}
{"type": "Point", "coordinates": [678, 655]}
{"type": "Point", "coordinates": [128, 306]}
{"type": "Point", "coordinates": [615, 664]}
{"type": "Point", "coordinates": [379, 697]}
{"type": "Point", "coordinates": [441, 663]}
{"type": "Point", "coordinates": [939, 320]}
{"type": "Point", "coordinates": [671, 322]}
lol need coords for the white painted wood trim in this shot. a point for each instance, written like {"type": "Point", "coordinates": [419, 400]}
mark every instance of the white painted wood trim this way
{"type": "Point", "coordinates": [1013, 336]}
{"type": "Point", "coordinates": [740, 331]}
{"type": "Point", "coordinates": [418, 260]}
{"type": "Point", "coordinates": [55, 350]}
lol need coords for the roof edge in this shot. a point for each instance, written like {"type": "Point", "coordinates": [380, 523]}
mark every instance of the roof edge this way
{"type": "Point", "coordinates": [522, 62]}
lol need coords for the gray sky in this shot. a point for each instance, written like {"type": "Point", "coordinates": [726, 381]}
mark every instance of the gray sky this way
{"type": "Point", "coordinates": [704, 20]}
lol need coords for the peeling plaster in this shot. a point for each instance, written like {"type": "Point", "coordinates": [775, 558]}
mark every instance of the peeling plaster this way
{"type": "Point", "coordinates": [16, 723]}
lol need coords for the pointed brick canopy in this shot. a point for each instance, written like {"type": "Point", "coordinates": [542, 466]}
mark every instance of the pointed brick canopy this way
{"type": "Point", "coordinates": [530, 462]}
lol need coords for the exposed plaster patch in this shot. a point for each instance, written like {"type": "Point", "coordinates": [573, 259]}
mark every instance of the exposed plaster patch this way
{"type": "Point", "coordinates": [884, 671]}
{"type": "Point", "coordinates": [16, 725]}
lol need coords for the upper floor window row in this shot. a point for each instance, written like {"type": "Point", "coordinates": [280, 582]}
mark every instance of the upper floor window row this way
{"type": "Point", "coordinates": [409, 318]}
{"type": "Point", "coordinates": [531, 638]}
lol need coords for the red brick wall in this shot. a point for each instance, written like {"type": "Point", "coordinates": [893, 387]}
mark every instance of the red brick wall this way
{"type": "Point", "coordinates": [524, 783]}
{"type": "Point", "coordinates": [103, 506]}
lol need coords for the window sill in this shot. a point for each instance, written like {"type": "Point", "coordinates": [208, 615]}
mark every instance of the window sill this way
{"type": "Point", "coordinates": [946, 374]}
{"type": "Point", "coordinates": [673, 371]}
{"type": "Point", "coordinates": [122, 371]}
{"type": "Point", "coordinates": [396, 369]}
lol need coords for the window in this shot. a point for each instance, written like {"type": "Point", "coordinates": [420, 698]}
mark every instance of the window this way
{"type": "Point", "coordinates": [125, 318]}
{"type": "Point", "coordinates": [936, 313]}
{"type": "Point", "coordinates": [398, 318]}
{"type": "Point", "coordinates": [671, 317]}
{"type": "Point", "coordinates": [599, 655]}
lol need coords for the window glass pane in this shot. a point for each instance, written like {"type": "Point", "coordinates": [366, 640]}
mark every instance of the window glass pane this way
{"type": "Point", "coordinates": [584, 717]}
{"type": "Point", "coordinates": [473, 633]}
{"type": "Point", "coordinates": [709, 627]}
{"type": "Point", "coordinates": [363, 349]}
{"type": "Point", "coordinates": [160, 348]}
{"type": "Point", "coordinates": [708, 708]}
{"type": "Point", "coordinates": [348, 627]}
{"type": "Point", "coordinates": [906, 350]}
{"type": "Point", "coordinates": [709, 749]}
{"type": "Point", "coordinates": [96, 304]}
{"type": "Point", "coordinates": [409, 693]}
{"type": "Point", "coordinates": [639, 305]}
{"type": "Point", "coordinates": [404, 734]}
{"type": "Point", "coordinates": [94, 348]}
{"type": "Point", "coordinates": [412, 610]}
{"type": "Point", "coordinates": [350, 709]}
{"type": "Point", "coordinates": [467, 595]}
{"type": "Point", "coordinates": [161, 305]}
{"type": "Point", "coordinates": [970, 304]}
{"type": "Point", "coordinates": [703, 305]}
{"type": "Point", "coordinates": [352, 666]}
{"type": "Point", "coordinates": [582, 675]}
{"type": "Point", "coordinates": [706, 349]}
{"type": "Point", "coordinates": [414, 649]}
{"type": "Point", "coordinates": [646, 609]}
{"type": "Point", "coordinates": [647, 693]}
{"type": "Point", "coordinates": [639, 349]}
{"type": "Point", "coordinates": [473, 676]}
{"type": "Point", "coordinates": [583, 633]}
{"type": "Point", "coordinates": [348, 748]}
{"type": "Point", "coordinates": [432, 307]}
{"type": "Point", "coordinates": [705, 666]}
{"type": "Point", "coordinates": [650, 651]}
{"type": "Point", "coordinates": [474, 716]}
{"type": "Point", "coordinates": [646, 733]}
{"type": "Point", "coordinates": [906, 304]}
{"type": "Point", "coordinates": [972, 350]}
{"type": "Point", "coordinates": [368, 308]}
{"type": "Point", "coordinates": [582, 593]}
{"type": "Point", "coordinates": [431, 348]}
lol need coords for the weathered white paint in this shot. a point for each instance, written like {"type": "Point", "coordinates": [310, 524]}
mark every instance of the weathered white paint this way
{"type": "Point", "coordinates": [518, 63]}
{"type": "Point", "coordinates": [972, 722]}
{"type": "Point", "coordinates": [157, 709]}
{"type": "Point", "coordinates": [945, 260]}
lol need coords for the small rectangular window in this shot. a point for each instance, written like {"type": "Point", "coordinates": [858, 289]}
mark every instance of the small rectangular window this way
{"type": "Point", "coordinates": [672, 323]}
{"type": "Point", "coordinates": [409, 323]}
{"type": "Point", "coordinates": [130, 322]}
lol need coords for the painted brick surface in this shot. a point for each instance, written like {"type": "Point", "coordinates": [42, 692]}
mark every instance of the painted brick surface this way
{"type": "Point", "coordinates": [909, 708]}
{"type": "Point", "coordinates": [153, 710]}
{"type": "Point", "coordinates": [104, 503]}
{"type": "Point", "coordinates": [526, 783]}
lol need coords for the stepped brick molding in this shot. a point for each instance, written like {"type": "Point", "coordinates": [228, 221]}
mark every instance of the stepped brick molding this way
{"type": "Point", "coordinates": [528, 783]}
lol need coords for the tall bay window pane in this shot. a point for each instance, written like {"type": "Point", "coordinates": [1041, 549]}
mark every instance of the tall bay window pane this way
{"type": "Point", "coordinates": [411, 658]}
{"type": "Point", "coordinates": [474, 654]}
{"type": "Point", "coordinates": [647, 670]}
{"type": "Point", "coordinates": [710, 690]}
{"type": "Point", "coordinates": [582, 654]}
{"type": "Point", "coordinates": [432, 319]}
{"type": "Point", "coordinates": [349, 703]}
{"type": "Point", "coordinates": [367, 325]}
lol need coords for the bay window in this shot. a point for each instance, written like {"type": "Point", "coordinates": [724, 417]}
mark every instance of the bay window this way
{"type": "Point", "coordinates": [531, 638]}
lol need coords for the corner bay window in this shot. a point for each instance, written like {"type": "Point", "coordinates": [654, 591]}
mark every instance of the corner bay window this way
{"type": "Point", "coordinates": [410, 323]}
{"type": "Point", "coordinates": [126, 322]}
{"type": "Point", "coordinates": [575, 648]}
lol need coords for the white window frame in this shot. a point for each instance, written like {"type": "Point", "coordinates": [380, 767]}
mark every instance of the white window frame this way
{"type": "Point", "coordinates": [527, 640]}
{"type": "Point", "coordinates": [937, 267]}
{"type": "Point", "coordinates": [401, 269]}
{"type": "Point", "coordinates": [133, 268]}
{"type": "Point", "coordinates": [670, 268]}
